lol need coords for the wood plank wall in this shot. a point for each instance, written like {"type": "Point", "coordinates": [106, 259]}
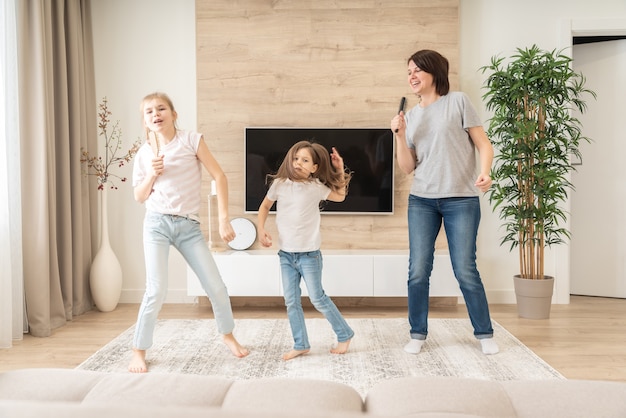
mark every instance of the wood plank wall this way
{"type": "Point", "coordinates": [313, 63]}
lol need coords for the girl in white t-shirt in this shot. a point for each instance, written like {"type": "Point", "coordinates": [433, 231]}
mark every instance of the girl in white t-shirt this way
{"type": "Point", "coordinates": [307, 176]}
{"type": "Point", "coordinates": [167, 175]}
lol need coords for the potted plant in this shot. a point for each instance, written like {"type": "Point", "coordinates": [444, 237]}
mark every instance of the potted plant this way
{"type": "Point", "coordinates": [532, 96]}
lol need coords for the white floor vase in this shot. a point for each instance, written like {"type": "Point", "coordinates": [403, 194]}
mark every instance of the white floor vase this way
{"type": "Point", "coordinates": [105, 278]}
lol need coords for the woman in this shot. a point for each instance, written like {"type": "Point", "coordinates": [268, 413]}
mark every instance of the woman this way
{"type": "Point", "coordinates": [437, 140]}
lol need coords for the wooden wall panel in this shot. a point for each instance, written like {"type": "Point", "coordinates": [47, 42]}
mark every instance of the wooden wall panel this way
{"type": "Point", "coordinates": [313, 63]}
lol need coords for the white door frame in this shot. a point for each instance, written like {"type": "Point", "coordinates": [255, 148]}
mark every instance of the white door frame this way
{"type": "Point", "coordinates": [569, 29]}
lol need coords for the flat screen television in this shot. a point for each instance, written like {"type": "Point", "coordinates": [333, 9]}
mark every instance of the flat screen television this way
{"type": "Point", "coordinates": [367, 152]}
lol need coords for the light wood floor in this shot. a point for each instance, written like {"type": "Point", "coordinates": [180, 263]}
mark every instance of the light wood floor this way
{"type": "Point", "coordinates": [583, 340]}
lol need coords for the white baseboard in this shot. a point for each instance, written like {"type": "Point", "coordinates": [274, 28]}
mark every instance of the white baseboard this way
{"type": "Point", "coordinates": [173, 296]}
{"type": "Point", "coordinates": [505, 297]}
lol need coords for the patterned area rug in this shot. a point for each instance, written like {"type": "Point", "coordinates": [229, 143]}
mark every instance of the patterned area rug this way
{"type": "Point", "coordinates": [194, 346]}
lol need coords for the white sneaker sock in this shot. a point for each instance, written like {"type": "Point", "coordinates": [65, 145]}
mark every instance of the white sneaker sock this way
{"type": "Point", "coordinates": [414, 346]}
{"type": "Point", "coordinates": [489, 346]}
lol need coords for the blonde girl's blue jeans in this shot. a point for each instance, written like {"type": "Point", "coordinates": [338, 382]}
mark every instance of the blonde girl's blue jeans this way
{"type": "Point", "coordinates": [307, 266]}
{"type": "Point", "coordinates": [159, 233]}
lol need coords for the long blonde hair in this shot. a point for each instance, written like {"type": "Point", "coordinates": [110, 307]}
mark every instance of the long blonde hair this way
{"type": "Point", "coordinates": [325, 173]}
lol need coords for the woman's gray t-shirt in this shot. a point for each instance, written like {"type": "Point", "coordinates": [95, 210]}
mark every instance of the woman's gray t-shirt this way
{"type": "Point", "coordinates": [446, 157]}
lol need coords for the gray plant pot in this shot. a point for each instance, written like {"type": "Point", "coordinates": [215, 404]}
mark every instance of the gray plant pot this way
{"type": "Point", "coordinates": [534, 297]}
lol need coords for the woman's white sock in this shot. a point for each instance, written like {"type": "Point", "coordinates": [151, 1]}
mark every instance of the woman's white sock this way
{"type": "Point", "coordinates": [414, 346]}
{"type": "Point", "coordinates": [489, 346]}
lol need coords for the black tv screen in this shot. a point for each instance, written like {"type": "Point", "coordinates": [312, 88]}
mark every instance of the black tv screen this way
{"type": "Point", "coordinates": [367, 152]}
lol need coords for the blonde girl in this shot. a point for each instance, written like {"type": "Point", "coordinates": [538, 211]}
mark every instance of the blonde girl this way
{"type": "Point", "coordinates": [167, 176]}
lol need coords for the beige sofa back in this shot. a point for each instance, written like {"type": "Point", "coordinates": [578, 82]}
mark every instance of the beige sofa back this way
{"type": "Point", "coordinates": [77, 393]}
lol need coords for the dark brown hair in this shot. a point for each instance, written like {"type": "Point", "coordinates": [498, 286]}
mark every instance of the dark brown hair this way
{"type": "Point", "coordinates": [435, 64]}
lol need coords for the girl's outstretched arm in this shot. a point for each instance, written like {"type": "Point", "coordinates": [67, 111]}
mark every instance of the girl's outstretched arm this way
{"type": "Point", "coordinates": [221, 182]}
{"type": "Point", "coordinates": [336, 160]}
{"type": "Point", "coordinates": [338, 194]}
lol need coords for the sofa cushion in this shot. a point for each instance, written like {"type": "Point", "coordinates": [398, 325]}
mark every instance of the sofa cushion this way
{"type": "Point", "coordinates": [118, 388]}
{"type": "Point", "coordinates": [567, 398]}
{"type": "Point", "coordinates": [160, 389]}
{"type": "Point", "coordinates": [414, 396]}
{"type": "Point", "coordinates": [47, 384]}
{"type": "Point", "coordinates": [445, 395]}
{"type": "Point", "coordinates": [292, 396]}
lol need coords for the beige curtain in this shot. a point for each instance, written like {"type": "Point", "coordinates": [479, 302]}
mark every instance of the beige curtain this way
{"type": "Point", "coordinates": [57, 117]}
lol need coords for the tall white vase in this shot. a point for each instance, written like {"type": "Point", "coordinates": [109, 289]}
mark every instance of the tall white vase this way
{"type": "Point", "coordinates": [105, 277]}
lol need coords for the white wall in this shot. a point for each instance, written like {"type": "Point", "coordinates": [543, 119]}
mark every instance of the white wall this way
{"type": "Point", "coordinates": [155, 50]}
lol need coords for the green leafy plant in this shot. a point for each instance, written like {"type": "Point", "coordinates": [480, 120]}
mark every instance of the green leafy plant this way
{"type": "Point", "coordinates": [536, 135]}
{"type": "Point", "coordinates": [99, 166]}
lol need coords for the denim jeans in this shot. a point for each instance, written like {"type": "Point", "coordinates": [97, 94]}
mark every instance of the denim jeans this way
{"type": "Point", "coordinates": [460, 217]}
{"type": "Point", "coordinates": [159, 232]}
{"type": "Point", "coordinates": [308, 266]}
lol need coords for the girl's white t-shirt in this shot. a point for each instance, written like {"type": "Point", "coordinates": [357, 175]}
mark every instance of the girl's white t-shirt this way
{"type": "Point", "coordinates": [298, 214]}
{"type": "Point", "coordinates": [177, 190]}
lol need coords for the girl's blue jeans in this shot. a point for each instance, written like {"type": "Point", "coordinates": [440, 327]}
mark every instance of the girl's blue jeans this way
{"type": "Point", "coordinates": [159, 233]}
{"type": "Point", "coordinates": [308, 266]}
{"type": "Point", "coordinates": [460, 217]}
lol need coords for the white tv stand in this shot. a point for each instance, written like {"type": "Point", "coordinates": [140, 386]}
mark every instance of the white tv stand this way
{"type": "Point", "coordinates": [362, 273]}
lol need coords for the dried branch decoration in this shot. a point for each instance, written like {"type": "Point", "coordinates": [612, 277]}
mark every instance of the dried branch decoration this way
{"type": "Point", "coordinates": [99, 166]}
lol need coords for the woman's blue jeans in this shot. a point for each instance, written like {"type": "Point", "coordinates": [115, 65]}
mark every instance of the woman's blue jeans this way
{"type": "Point", "coordinates": [159, 233]}
{"type": "Point", "coordinates": [308, 266]}
{"type": "Point", "coordinates": [460, 217]}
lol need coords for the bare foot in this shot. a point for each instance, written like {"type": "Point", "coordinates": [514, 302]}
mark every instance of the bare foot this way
{"type": "Point", "coordinates": [341, 348]}
{"type": "Point", "coordinates": [138, 362]}
{"type": "Point", "coordinates": [234, 346]}
{"type": "Point", "coordinates": [293, 354]}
